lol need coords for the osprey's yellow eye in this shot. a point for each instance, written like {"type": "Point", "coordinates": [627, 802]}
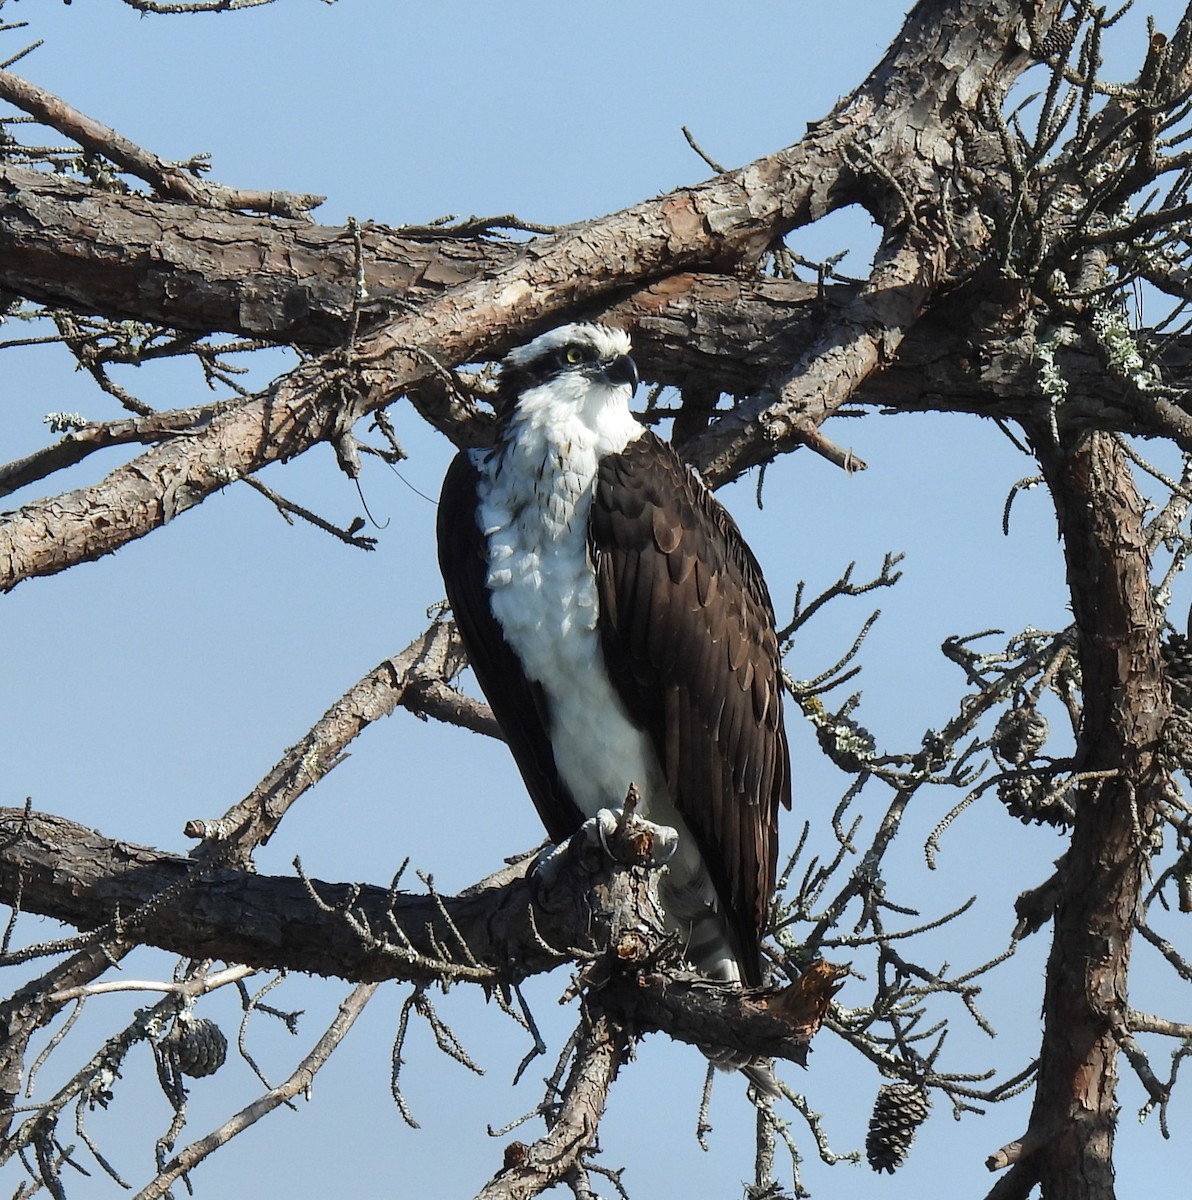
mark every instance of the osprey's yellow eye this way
{"type": "Point", "coordinates": [573, 355]}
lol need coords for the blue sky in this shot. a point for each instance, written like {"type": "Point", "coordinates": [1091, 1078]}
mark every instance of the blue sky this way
{"type": "Point", "coordinates": [161, 683]}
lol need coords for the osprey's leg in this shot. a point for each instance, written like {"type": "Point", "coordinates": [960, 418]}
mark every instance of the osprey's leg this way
{"type": "Point", "coordinates": [620, 834]}
{"type": "Point", "coordinates": [628, 838]}
{"type": "Point", "coordinates": [623, 836]}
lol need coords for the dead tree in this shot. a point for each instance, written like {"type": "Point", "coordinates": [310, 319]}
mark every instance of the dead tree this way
{"type": "Point", "coordinates": [1011, 238]}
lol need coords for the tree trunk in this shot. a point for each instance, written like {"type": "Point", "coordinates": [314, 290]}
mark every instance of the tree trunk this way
{"type": "Point", "coordinates": [1069, 1146]}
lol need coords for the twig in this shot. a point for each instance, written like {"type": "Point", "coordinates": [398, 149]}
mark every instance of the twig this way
{"type": "Point", "coordinates": [1022, 485]}
{"type": "Point", "coordinates": [843, 586]}
{"type": "Point", "coordinates": [435, 654]}
{"type": "Point", "coordinates": [288, 507]}
{"type": "Point", "coordinates": [196, 987]}
{"type": "Point", "coordinates": [298, 1082]}
{"type": "Point", "coordinates": [1140, 1022]}
{"type": "Point", "coordinates": [720, 170]}
{"type": "Point", "coordinates": [1158, 1092]}
{"type": "Point", "coordinates": [815, 440]}
{"type": "Point", "coordinates": [169, 179]}
{"type": "Point", "coordinates": [83, 440]}
{"type": "Point", "coordinates": [193, 6]}
{"type": "Point", "coordinates": [1181, 965]}
{"type": "Point", "coordinates": [475, 226]}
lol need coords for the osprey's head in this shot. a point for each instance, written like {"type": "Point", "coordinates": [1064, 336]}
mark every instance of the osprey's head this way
{"type": "Point", "coordinates": [577, 361]}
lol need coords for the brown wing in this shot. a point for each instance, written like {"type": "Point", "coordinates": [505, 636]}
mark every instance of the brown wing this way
{"type": "Point", "coordinates": [687, 629]}
{"type": "Point", "coordinates": [519, 705]}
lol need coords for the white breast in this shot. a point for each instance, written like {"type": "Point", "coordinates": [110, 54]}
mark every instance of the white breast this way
{"type": "Point", "coordinates": [535, 494]}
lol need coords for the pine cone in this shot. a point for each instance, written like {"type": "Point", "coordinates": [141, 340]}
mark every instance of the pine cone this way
{"type": "Point", "coordinates": [898, 1111]}
{"type": "Point", "coordinates": [197, 1046]}
{"type": "Point", "coordinates": [1031, 801]}
{"type": "Point", "coordinates": [1058, 39]}
{"type": "Point", "coordinates": [1177, 658]}
{"type": "Point", "coordinates": [1019, 734]}
{"type": "Point", "coordinates": [1176, 747]}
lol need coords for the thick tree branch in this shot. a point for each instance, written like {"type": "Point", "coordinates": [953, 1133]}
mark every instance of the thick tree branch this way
{"type": "Point", "coordinates": [730, 219]}
{"type": "Point", "coordinates": [530, 1170]}
{"type": "Point", "coordinates": [204, 270]}
{"type": "Point", "coordinates": [501, 931]}
{"type": "Point", "coordinates": [861, 340]}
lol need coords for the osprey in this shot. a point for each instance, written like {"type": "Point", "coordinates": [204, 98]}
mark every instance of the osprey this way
{"type": "Point", "coordinates": [622, 632]}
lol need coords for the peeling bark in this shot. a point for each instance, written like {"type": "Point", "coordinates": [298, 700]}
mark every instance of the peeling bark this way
{"type": "Point", "coordinates": [192, 268]}
{"type": "Point", "coordinates": [1125, 707]}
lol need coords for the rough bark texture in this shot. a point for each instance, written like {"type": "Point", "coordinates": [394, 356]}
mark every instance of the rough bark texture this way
{"type": "Point", "coordinates": [896, 116]}
{"type": "Point", "coordinates": [496, 933]}
{"type": "Point", "coordinates": [1125, 708]}
{"type": "Point", "coordinates": [202, 270]}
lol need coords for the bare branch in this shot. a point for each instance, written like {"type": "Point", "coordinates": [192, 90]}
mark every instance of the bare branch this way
{"type": "Point", "coordinates": [167, 178]}
{"type": "Point", "coordinates": [84, 439]}
{"type": "Point", "coordinates": [865, 337]}
{"type": "Point", "coordinates": [573, 1125]}
{"type": "Point", "coordinates": [416, 676]}
{"type": "Point", "coordinates": [298, 1083]}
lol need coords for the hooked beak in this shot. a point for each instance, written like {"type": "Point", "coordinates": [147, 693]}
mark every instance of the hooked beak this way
{"type": "Point", "coordinates": [622, 370]}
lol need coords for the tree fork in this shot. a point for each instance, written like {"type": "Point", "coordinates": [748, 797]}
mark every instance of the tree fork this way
{"type": "Point", "coordinates": [1069, 1144]}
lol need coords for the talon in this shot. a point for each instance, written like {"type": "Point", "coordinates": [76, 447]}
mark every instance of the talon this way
{"type": "Point", "coordinates": [666, 842]}
{"type": "Point", "coordinates": [626, 837]}
{"type": "Point", "coordinates": [607, 822]}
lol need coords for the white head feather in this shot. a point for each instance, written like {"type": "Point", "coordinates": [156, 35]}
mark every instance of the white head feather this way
{"type": "Point", "coordinates": [606, 342]}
